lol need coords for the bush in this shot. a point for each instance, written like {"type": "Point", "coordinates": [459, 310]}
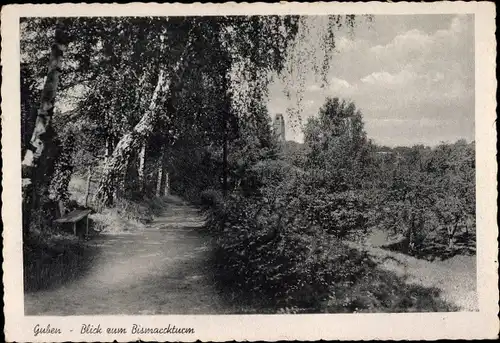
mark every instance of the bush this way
{"type": "Point", "coordinates": [265, 174]}
{"type": "Point", "coordinates": [380, 291]}
{"type": "Point", "coordinates": [128, 215]}
{"type": "Point", "coordinates": [268, 247]}
{"type": "Point", "coordinates": [339, 214]}
{"type": "Point", "coordinates": [155, 205]}
{"type": "Point", "coordinates": [297, 268]}
{"type": "Point", "coordinates": [210, 199]}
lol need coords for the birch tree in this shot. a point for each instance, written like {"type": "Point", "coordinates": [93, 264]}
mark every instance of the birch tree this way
{"type": "Point", "coordinates": [132, 140]}
{"type": "Point", "coordinates": [127, 78]}
{"type": "Point", "coordinates": [160, 174]}
{"type": "Point", "coordinates": [38, 142]}
{"type": "Point", "coordinates": [140, 171]}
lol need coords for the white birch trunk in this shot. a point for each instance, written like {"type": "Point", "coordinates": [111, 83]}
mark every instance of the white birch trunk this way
{"type": "Point", "coordinates": [160, 175]}
{"type": "Point", "coordinates": [140, 133]}
{"type": "Point", "coordinates": [87, 191]}
{"type": "Point", "coordinates": [124, 177]}
{"type": "Point", "coordinates": [140, 172]}
{"type": "Point", "coordinates": [167, 184]}
{"type": "Point", "coordinates": [116, 163]}
{"type": "Point", "coordinates": [106, 150]}
{"type": "Point", "coordinates": [43, 121]}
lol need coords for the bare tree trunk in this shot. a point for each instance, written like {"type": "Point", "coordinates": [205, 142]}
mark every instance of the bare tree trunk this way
{"type": "Point", "coordinates": [160, 175]}
{"type": "Point", "coordinates": [452, 229]}
{"type": "Point", "coordinates": [116, 163]}
{"type": "Point", "coordinates": [123, 179]}
{"type": "Point", "coordinates": [225, 138]}
{"type": "Point", "coordinates": [62, 169]}
{"type": "Point", "coordinates": [140, 133]}
{"type": "Point", "coordinates": [106, 150]}
{"type": "Point", "coordinates": [158, 183]}
{"type": "Point", "coordinates": [61, 208]}
{"type": "Point", "coordinates": [224, 153]}
{"type": "Point", "coordinates": [41, 137]}
{"type": "Point", "coordinates": [38, 141]}
{"type": "Point", "coordinates": [167, 184]}
{"type": "Point", "coordinates": [140, 172]}
{"type": "Point", "coordinates": [87, 192]}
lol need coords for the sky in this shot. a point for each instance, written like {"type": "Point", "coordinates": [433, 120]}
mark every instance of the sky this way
{"type": "Point", "coordinates": [412, 77]}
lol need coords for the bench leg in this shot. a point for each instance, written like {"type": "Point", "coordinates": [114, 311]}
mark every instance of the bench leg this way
{"type": "Point", "coordinates": [87, 226]}
{"type": "Point", "coordinates": [74, 228]}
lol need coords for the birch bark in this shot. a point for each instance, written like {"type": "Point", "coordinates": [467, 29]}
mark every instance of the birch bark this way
{"type": "Point", "coordinates": [131, 141]}
{"type": "Point", "coordinates": [39, 138]}
{"type": "Point", "coordinates": [140, 172]}
{"type": "Point", "coordinates": [128, 143]}
{"type": "Point", "coordinates": [160, 175]}
{"type": "Point", "coordinates": [167, 184]}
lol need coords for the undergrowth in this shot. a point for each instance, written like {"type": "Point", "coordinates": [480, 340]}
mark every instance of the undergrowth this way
{"type": "Point", "coordinates": [129, 215]}
{"type": "Point", "coordinates": [125, 214]}
{"type": "Point", "coordinates": [52, 258]}
{"type": "Point", "coordinates": [270, 255]}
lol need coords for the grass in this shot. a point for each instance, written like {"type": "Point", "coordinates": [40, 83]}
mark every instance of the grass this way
{"type": "Point", "coordinates": [128, 215]}
{"type": "Point", "coordinates": [378, 292]}
{"type": "Point", "coordinates": [50, 259]}
{"type": "Point", "coordinates": [387, 295]}
{"type": "Point", "coordinates": [454, 276]}
{"type": "Point", "coordinates": [381, 291]}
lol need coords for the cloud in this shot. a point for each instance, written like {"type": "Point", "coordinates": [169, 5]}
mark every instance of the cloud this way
{"type": "Point", "coordinates": [344, 44]}
{"type": "Point", "coordinates": [335, 85]}
{"type": "Point", "coordinates": [411, 76]}
{"type": "Point", "coordinates": [384, 78]}
{"type": "Point", "coordinates": [339, 85]}
{"type": "Point", "coordinates": [458, 24]}
{"type": "Point", "coordinates": [314, 88]}
{"type": "Point", "coordinates": [424, 67]}
{"type": "Point", "coordinates": [413, 42]}
{"type": "Point", "coordinates": [309, 103]}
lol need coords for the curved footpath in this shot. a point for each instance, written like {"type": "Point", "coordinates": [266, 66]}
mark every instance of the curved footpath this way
{"type": "Point", "coordinates": [161, 269]}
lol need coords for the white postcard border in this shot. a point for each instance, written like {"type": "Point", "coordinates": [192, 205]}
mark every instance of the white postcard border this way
{"type": "Point", "coordinates": [429, 326]}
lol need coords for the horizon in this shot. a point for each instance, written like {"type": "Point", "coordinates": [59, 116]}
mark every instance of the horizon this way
{"type": "Point", "coordinates": [378, 144]}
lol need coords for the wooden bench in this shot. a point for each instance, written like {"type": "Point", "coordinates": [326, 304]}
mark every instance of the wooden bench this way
{"type": "Point", "coordinates": [74, 217]}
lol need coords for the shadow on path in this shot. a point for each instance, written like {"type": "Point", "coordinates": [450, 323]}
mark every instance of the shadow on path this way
{"type": "Point", "coordinates": [162, 269]}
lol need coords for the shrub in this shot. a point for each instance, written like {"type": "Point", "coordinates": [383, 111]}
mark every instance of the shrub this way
{"type": "Point", "coordinates": [209, 199]}
{"type": "Point", "coordinates": [270, 246]}
{"type": "Point", "coordinates": [280, 261]}
{"type": "Point", "coordinates": [133, 210]}
{"type": "Point", "coordinates": [340, 214]}
{"type": "Point", "coordinates": [265, 174]}
{"type": "Point", "coordinates": [155, 205]}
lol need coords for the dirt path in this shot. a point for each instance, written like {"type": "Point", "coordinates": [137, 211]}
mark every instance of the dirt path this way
{"type": "Point", "coordinates": [161, 269]}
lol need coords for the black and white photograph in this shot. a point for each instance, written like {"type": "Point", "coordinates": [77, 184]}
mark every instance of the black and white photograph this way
{"type": "Point", "coordinates": [228, 164]}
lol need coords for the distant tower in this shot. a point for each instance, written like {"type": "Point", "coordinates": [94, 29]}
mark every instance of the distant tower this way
{"type": "Point", "coordinates": [279, 127]}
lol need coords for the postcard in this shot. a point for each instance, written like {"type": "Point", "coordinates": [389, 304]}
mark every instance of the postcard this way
{"type": "Point", "coordinates": [216, 172]}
